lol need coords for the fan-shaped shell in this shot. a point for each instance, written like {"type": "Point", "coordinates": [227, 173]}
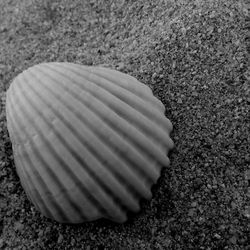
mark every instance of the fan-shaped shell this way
{"type": "Point", "coordinates": [88, 142]}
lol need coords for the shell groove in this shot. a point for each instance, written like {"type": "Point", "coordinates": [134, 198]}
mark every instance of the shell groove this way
{"type": "Point", "coordinates": [88, 142]}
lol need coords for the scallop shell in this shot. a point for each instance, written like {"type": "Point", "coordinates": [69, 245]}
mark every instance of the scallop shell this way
{"type": "Point", "coordinates": [88, 142]}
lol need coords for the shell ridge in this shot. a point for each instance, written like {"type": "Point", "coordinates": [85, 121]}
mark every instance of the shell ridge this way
{"type": "Point", "coordinates": [154, 142]}
{"type": "Point", "coordinates": [42, 205]}
{"type": "Point", "coordinates": [120, 131]}
{"type": "Point", "coordinates": [144, 110]}
{"type": "Point", "coordinates": [138, 89]}
{"type": "Point", "coordinates": [160, 107]}
{"type": "Point", "coordinates": [79, 135]}
{"type": "Point", "coordinates": [62, 163]}
{"type": "Point", "coordinates": [30, 179]}
{"type": "Point", "coordinates": [87, 192]}
{"type": "Point", "coordinates": [39, 157]}
{"type": "Point", "coordinates": [91, 147]}
{"type": "Point", "coordinates": [100, 117]}
{"type": "Point", "coordinates": [12, 133]}
{"type": "Point", "coordinates": [76, 155]}
{"type": "Point", "coordinates": [89, 69]}
{"type": "Point", "coordinates": [147, 92]}
{"type": "Point", "coordinates": [10, 118]}
{"type": "Point", "coordinates": [140, 103]}
{"type": "Point", "coordinates": [103, 139]}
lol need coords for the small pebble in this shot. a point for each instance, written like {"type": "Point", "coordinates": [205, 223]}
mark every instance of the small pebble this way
{"type": "Point", "coordinates": [1, 243]}
{"type": "Point", "coordinates": [121, 66]}
{"type": "Point", "coordinates": [194, 204]}
{"type": "Point", "coordinates": [217, 236]}
{"type": "Point", "coordinates": [179, 100]}
{"type": "Point", "coordinates": [154, 75]}
{"type": "Point", "coordinates": [18, 226]}
{"type": "Point", "coordinates": [191, 212]}
{"type": "Point", "coordinates": [233, 240]}
{"type": "Point", "coordinates": [60, 239]}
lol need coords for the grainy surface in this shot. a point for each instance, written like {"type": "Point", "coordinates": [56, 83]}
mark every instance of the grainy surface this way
{"type": "Point", "coordinates": [193, 54]}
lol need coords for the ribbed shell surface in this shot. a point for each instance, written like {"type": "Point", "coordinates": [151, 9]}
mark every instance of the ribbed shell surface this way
{"type": "Point", "coordinates": [88, 142]}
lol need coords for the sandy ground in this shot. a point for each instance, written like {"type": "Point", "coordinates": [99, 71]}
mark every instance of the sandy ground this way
{"type": "Point", "coordinates": [193, 55]}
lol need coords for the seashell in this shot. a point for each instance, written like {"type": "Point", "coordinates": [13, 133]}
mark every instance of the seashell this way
{"type": "Point", "coordinates": [88, 142]}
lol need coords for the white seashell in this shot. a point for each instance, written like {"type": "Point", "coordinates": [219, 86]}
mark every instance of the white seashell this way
{"type": "Point", "coordinates": [88, 142]}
